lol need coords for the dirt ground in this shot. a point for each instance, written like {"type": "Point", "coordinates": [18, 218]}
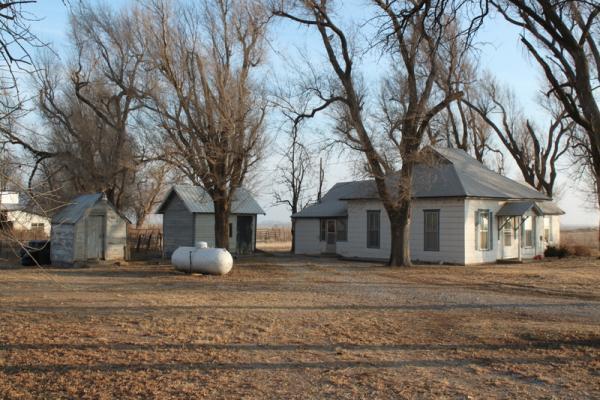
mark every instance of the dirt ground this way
{"type": "Point", "coordinates": [302, 328]}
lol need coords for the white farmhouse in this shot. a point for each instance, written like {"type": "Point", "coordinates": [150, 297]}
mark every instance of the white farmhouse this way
{"type": "Point", "coordinates": [462, 213]}
{"type": "Point", "coordinates": [19, 213]}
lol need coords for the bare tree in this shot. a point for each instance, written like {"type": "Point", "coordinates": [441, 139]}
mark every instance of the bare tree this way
{"type": "Point", "coordinates": [295, 173]}
{"type": "Point", "coordinates": [149, 188]}
{"type": "Point", "coordinates": [90, 105]}
{"type": "Point", "coordinates": [209, 104]}
{"type": "Point", "coordinates": [412, 33]}
{"type": "Point", "coordinates": [458, 125]}
{"type": "Point", "coordinates": [563, 37]}
{"type": "Point", "coordinates": [16, 40]}
{"type": "Point", "coordinates": [535, 153]}
{"type": "Point", "coordinates": [321, 180]}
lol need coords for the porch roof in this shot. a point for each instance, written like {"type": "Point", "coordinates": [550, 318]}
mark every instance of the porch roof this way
{"type": "Point", "coordinates": [519, 208]}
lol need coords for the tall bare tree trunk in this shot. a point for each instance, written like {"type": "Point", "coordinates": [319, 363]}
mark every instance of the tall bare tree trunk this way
{"type": "Point", "coordinates": [221, 223]}
{"type": "Point", "coordinates": [293, 235]}
{"type": "Point", "coordinates": [400, 232]}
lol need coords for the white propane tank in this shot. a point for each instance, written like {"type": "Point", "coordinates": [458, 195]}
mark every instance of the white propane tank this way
{"type": "Point", "coordinates": [202, 259]}
{"type": "Point", "coordinates": [212, 261]}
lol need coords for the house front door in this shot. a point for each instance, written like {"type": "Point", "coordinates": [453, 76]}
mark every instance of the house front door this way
{"type": "Point", "coordinates": [94, 239]}
{"type": "Point", "coordinates": [330, 247]}
{"type": "Point", "coordinates": [509, 237]}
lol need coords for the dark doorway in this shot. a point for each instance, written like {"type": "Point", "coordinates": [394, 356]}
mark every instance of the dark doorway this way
{"type": "Point", "coordinates": [244, 234]}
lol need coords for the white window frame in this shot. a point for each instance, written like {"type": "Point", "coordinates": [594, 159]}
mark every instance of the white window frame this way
{"type": "Point", "coordinates": [531, 230]}
{"type": "Point", "coordinates": [478, 231]}
{"type": "Point", "coordinates": [435, 246]}
{"type": "Point", "coordinates": [376, 217]}
{"type": "Point", "coordinates": [548, 227]}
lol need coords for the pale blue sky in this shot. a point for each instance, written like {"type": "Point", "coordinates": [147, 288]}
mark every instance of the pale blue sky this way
{"type": "Point", "coordinates": [501, 54]}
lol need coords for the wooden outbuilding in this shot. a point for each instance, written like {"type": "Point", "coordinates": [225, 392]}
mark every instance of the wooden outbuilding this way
{"type": "Point", "coordinates": [89, 228]}
{"type": "Point", "coordinates": [188, 217]}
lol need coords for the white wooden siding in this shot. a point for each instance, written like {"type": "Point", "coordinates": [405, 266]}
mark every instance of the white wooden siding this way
{"type": "Point", "coordinates": [452, 229]}
{"type": "Point", "coordinates": [69, 240]}
{"type": "Point", "coordinates": [555, 230]}
{"type": "Point", "coordinates": [178, 226]}
{"type": "Point", "coordinates": [204, 230]}
{"type": "Point", "coordinates": [307, 236]}
{"type": "Point", "coordinates": [115, 238]}
{"type": "Point", "coordinates": [63, 243]}
{"type": "Point", "coordinates": [356, 246]}
{"type": "Point", "coordinates": [23, 220]}
{"type": "Point", "coordinates": [472, 254]}
{"type": "Point", "coordinates": [457, 232]}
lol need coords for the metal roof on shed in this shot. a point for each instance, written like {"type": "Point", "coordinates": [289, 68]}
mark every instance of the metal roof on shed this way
{"type": "Point", "coordinates": [197, 200]}
{"type": "Point", "coordinates": [72, 212]}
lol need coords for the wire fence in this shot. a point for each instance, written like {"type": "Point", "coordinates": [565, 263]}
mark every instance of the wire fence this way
{"type": "Point", "coordinates": [274, 234]}
{"type": "Point", "coordinates": [144, 243]}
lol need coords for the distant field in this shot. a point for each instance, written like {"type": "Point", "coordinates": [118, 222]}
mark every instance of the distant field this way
{"type": "Point", "coordinates": [580, 237]}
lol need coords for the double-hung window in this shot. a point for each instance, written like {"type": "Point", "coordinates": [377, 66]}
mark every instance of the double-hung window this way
{"type": "Point", "coordinates": [342, 229]}
{"type": "Point", "coordinates": [373, 229]}
{"type": "Point", "coordinates": [431, 230]}
{"type": "Point", "coordinates": [483, 230]}
{"type": "Point", "coordinates": [323, 230]}
{"type": "Point", "coordinates": [548, 229]}
{"type": "Point", "coordinates": [528, 232]}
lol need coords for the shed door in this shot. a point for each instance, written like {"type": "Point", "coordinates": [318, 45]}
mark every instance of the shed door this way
{"type": "Point", "coordinates": [94, 237]}
{"type": "Point", "coordinates": [244, 234]}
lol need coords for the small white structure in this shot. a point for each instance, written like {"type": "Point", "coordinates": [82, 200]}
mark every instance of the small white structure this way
{"type": "Point", "coordinates": [202, 259]}
{"type": "Point", "coordinates": [188, 217]}
{"type": "Point", "coordinates": [461, 213]}
{"type": "Point", "coordinates": [88, 228]}
{"type": "Point", "coordinates": [19, 214]}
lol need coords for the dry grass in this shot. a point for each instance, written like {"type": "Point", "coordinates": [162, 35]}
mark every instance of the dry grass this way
{"type": "Point", "coordinates": [275, 247]}
{"type": "Point", "coordinates": [579, 239]}
{"type": "Point", "coordinates": [302, 328]}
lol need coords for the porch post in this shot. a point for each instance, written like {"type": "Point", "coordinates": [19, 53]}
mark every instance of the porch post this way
{"type": "Point", "coordinates": [519, 237]}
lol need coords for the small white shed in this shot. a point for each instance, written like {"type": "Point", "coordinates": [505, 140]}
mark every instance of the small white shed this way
{"type": "Point", "coordinates": [188, 217]}
{"type": "Point", "coordinates": [88, 228]}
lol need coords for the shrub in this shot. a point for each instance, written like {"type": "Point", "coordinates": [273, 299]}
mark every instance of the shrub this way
{"type": "Point", "coordinates": [581, 251]}
{"type": "Point", "coordinates": [555, 251]}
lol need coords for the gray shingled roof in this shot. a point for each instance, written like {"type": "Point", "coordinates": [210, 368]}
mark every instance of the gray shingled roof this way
{"type": "Point", "coordinates": [517, 208]}
{"type": "Point", "coordinates": [330, 204]}
{"type": "Point", "coordinates": [197, 200]}
{"type": "Point", "coordinates": [456, 174]}
{"type": "Point", "coordinates": [549, 208]}
{"type": "Point", "coordinates": [72, 212]}
{"type": "Point", "coordinates": [453, 174]}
